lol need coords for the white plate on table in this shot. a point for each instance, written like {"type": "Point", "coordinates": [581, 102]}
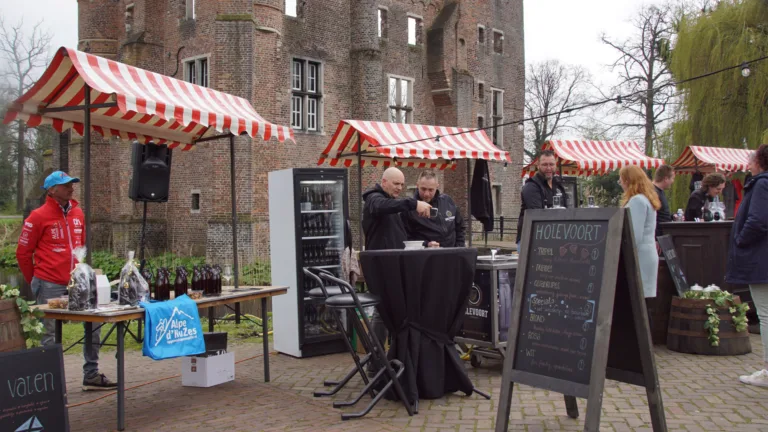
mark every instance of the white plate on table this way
{"type": "Point", "coordinates": [414, 245]}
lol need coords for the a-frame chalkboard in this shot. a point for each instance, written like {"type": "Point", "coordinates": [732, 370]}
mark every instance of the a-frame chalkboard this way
{"type": "Point", "coordinates": [578, 314]}
{"type": "Point", "coordinates": [673, 264]}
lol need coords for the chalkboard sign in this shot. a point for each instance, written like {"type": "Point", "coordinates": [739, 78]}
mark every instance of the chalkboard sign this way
{"type": "Point", "coordinates": [673, 263]}
{"type": "Point", "coordinates": [33, 391]}
{"type": "Point", "coordinates": [577, 272]}
{"type": "Point", "coordinates": [557, 322]}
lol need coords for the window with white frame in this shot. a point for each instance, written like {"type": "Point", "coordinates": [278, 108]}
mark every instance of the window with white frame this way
{"type": "Point", "coordinates": [480, 34]}
{"type": "Point", "coordinates": [196, 71]}
{"type": "Point", "coordinates": [414, 30]}
{"type": "Point", "coordinates": [291, 8]}
{"type": "Point", "coordinates": [498, 41]}
{"type": "Point", "coordinates": [497, 112]}
{"type": "Point", "coordinates": [400, 100]}
{"type": "Point", "coordinates": [382, 22]}
{"type": "Point", "coordinates": [190, 9]}
{"type": "Point", "coordinates": [306, 95]}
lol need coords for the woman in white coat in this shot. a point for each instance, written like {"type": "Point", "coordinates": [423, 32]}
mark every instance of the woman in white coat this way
{"type": "Point", "coordinates": [642, 201]}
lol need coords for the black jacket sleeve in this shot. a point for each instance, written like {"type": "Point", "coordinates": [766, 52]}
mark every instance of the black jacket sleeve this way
{"type": "Point", "coordinates": [755, 228]}
{"type": "Point", "coordinates": [532, 196]}
{"type": "Point", "coordinates": [379, 204]}
{"type": "Point", "coordinates": [693, 209]}
{"type": "Point", "coordinates": [460, 228]}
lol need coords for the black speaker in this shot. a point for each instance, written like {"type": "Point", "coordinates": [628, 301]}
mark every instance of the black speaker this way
{"type": "Point", "coordinates": [151, 172]}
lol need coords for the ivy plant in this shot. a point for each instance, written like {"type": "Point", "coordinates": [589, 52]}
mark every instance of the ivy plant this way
{"type": "Point", "coordinates": [721, 299]}
{"type": "Point", "coordinates": [31, 323]}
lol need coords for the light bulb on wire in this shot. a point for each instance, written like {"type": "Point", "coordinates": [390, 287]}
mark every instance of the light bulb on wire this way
{"type": "Point", "coordinates": [520, 127]}
{"type": "Point", "coordinates": [745, 71]}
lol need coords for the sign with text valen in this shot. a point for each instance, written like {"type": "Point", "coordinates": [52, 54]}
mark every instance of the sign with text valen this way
{"type": "Point", "coordinates": [577, 272]}
{"type": "Point", "coordinates": [33, 393]}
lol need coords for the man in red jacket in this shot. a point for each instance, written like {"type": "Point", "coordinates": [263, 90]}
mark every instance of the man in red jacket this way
{"type": "Point", "coordinates": [44, 253]}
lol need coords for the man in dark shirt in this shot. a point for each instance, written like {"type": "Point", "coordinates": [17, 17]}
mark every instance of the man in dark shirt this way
{"type": "Point", "coordinates": [662, 180]}
{"type": "Point", "coordinates": [446, 229]}
{"type": "Point", "coordinates": [382, 224]}
{"type": "Point", "coordinates": [538, 191]}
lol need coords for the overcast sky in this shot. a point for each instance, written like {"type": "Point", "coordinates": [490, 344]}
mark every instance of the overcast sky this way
{"type": "Point", "coordinates": [566, 30]}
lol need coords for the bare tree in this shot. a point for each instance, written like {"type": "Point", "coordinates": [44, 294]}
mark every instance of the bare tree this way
{"type": "Point", "coordinates": [646, 86]}
{"type": "Point", "coordinates": [22, 55]}
{"type": "Point", "coordinates": [551, 89]}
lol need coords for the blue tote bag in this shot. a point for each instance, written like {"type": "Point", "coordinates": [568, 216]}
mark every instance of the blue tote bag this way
{"type": "Point", "coordinates": [172, 329]}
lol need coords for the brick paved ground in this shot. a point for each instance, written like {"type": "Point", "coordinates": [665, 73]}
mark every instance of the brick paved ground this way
{"type": "Point", "coordinates": [700, 394]}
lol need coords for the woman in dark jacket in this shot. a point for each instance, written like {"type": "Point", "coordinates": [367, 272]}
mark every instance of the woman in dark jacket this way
{"type": "Point", "coordinates": [712, 186]}
{"type": "Point", "coordinates": [749, 249]}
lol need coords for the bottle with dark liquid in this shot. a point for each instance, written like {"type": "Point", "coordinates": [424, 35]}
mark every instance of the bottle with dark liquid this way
{"type": "Point", "coordinates": [180, 285]}
{"type": "Point", "coordinates": [161, 286]}
{"type": "Point", "coordinates": [217, 279]}
{"type": "Point", "coordinates": [197, 278]}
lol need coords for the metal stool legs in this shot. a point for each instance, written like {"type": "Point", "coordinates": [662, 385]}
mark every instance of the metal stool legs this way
{"type": "Point", "coordinates": [378, 356]}
{"type": "Point", "coordinates": [359, 364]}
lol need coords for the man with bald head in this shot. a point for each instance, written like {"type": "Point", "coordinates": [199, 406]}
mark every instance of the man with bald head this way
{"type": "Point", "coordinates": [382, 224]}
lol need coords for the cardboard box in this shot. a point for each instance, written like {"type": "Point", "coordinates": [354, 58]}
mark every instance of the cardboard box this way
{"type": "Point", "coordinates": [207, 371]}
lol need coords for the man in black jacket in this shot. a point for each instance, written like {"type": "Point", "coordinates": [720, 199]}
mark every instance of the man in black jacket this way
{"type": "Point", "coordinates": [444, 230]}
{"type": "Point", "coordinates": [382, 224]}
{"type": "Point", "coordinates": [538, 191]}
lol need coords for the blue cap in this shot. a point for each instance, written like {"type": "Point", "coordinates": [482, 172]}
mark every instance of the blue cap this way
{"type": "Point", "coordinates": [58, 178]}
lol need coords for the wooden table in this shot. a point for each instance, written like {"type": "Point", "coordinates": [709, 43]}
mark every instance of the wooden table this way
{"type": "Point", "coordinates": [227, 297]}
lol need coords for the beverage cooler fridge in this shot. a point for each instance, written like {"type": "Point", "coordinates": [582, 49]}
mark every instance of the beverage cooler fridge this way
{"type": "Point", "coordinates": [307, 211]}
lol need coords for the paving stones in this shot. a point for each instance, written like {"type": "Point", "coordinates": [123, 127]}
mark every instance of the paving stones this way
{"type": "Point", "coordinates": [701, 393]}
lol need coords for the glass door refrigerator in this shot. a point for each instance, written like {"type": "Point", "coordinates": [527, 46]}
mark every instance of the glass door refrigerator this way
{"type": "Point", "coordinates": [307, 212]}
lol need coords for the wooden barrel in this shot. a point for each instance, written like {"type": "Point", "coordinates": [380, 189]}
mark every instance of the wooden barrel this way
{"type": "Point", "coordinates": [11, 335]}
{"type": "Point", "coordinates": [686, 333]}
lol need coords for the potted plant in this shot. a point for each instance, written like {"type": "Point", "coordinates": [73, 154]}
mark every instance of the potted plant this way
{"type": "Point", "coordinates": [27, 321]}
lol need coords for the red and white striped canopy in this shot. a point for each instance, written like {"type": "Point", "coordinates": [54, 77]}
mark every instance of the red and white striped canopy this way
{"type": "Point", "coordinates": [581, 157]}
{"type": "Point", "coordinates": [708, 159]}
{"type": "Point", "coordinates": [395, 144]}
{"type": "Point", "coordinates": [149, 106]}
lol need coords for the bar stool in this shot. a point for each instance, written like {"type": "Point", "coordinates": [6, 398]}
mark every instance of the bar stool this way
{"type": "Point", "coordinates": [351, 302]}
{"type": "Point", "coordinates": [322, 293]}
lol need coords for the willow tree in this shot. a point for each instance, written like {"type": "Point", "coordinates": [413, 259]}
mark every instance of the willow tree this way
{"type": "Point", "coordinates": [725, 109]}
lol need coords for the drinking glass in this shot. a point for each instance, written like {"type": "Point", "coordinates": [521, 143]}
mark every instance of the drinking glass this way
{"type": "Point", "coordinates": [226, 276]}
{"type": "Point", "coordinates": [556, 201]}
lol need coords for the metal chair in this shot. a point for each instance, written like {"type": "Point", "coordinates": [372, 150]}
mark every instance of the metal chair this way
{"type": "Point", "coordinates": [352, 301]}
{"type": "Point", "coordinates": [323, 293]}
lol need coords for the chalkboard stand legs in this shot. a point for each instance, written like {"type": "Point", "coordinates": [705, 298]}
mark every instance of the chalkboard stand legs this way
{"type": "Point", "coordinates": [120, 376]}
{"type": "Point", "coordinates": [57, 331]}
{"type": "Point", "coordinates": [505, 400]}
{"type": "Point", "coordinates": [571, 407]}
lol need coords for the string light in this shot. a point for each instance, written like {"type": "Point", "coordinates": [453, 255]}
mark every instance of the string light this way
{"type": "Point", "coordinates": [745, 72]}
{"type": "Point", "coordinates": [520, 126]}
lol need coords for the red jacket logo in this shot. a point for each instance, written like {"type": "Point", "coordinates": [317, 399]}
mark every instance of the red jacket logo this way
{"type": "Point", "coordinates": [76, 222]}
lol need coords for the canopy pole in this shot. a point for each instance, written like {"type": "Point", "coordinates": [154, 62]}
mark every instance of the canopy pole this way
{"type": "Point", "coordinates": [359, 196]}
{"type": "Point", "coordinates": [87, 169]}
{"type": "Point", "coordinates": [235, 266]}
{"type": "Point", "coordinates": [469, 203]}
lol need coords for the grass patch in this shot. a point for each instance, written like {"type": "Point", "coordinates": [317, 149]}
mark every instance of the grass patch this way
{"type": "Point", "coordinates": [236, 334]}
{"type": "Point", "coordinates": [13, 221]}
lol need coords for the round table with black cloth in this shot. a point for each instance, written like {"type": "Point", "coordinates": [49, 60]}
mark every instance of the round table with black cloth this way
{"type": "Point", "coordinates": [423, 296]}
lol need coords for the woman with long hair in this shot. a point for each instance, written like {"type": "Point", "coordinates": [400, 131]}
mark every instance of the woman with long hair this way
{"type": "Point", "coordinates": [641, 199]}
{"type": "Point", "coordinates": [748, 249]}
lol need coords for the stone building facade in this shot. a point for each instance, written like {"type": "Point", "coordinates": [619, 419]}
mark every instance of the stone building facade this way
{"type": "Point", "coordinates": [456, 62]}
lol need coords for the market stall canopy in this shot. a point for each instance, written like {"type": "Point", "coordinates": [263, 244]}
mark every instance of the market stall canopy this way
{"type": "Point", "coordinates": [708, 159]}
{"type": "Point", "coordinates": [135, 104]}
{"type": "Point", "coordinates": [582, 157]}
{"type": "Point", "coordinates": [394, 144]}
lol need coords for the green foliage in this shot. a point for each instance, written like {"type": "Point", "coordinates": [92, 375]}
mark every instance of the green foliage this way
{"type": "Point", "coordinates": [109, 264]}
{"type": "Point", "coordinates": [605, 189]}
{"type": "Point", "coordinates": [258, 273]}
{"type": "Point", "coordinates": [8, 256]}
{"type": "Point", "coordinates": [726, 109]}
{"type": "Point", "coordinates": [722, 300]}
{"type": "Point", "coordinates": [31, 325]}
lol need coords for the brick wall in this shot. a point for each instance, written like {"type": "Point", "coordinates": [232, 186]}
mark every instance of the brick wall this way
{"type": "Point", "coordinates": [250, 45]}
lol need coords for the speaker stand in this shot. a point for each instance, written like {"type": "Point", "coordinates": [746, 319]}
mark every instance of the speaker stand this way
{"type": "Point", "coordinates": [142, 261]}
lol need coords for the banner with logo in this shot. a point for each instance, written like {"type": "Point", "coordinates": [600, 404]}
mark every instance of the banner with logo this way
{"type": "Point", "coordinates": [173, 329]}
